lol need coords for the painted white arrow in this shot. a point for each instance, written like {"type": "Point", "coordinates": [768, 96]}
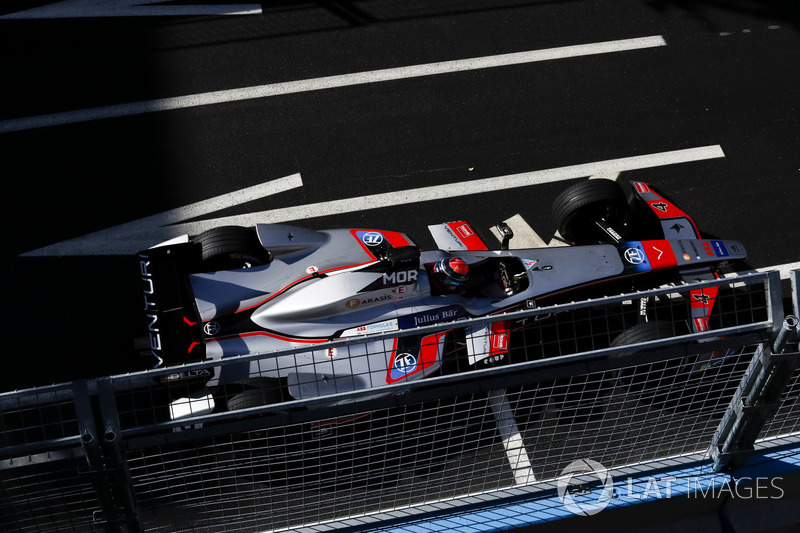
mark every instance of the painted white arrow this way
{"type": "Point", "coordinates": [129, 8]}
{"type": "Point", "coordinates": [140, 234]}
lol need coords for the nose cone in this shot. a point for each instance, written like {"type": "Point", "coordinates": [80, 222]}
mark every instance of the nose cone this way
{"type": "Point", "coordinates": [323, 306]}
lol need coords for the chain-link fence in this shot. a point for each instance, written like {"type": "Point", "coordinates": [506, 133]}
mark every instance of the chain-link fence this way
{"type": "Point", "coordinates": [623, 380]}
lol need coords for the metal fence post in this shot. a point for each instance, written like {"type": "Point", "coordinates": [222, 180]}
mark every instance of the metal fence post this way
{"type": "Point", "coordinates": [83, 396]}
{"type": "Point", "coordinates": [117, 473]}
{"type": "Point", "coordinates": [108, 467]}
{"type": "Point", "coordinates": [757, 398]}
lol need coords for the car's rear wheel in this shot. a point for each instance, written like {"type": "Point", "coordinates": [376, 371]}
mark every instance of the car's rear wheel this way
{"type": "Point", "coordinates": [266, 391]}
{"type": "Point", "coordinates": [577, 210]}
{"type": "Point", "coordinates": [231, 247]}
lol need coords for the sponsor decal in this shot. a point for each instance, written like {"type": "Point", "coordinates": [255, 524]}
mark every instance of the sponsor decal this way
{"type": "Point", "coordinates": [377, 299]}
{"type": "Point", "coordinates": [412, 355]}
{"type": "Point", "coordinates": [331, 352]}
{"type": "Point", "coordinates": [377, 327]}
{"type": "Point", "coordinates": [614, 234]}
{"type": "Point", "coordinates": [355, 302]}
{"type": "Point", "coordinates": [154, 333]}
{"type": "Point", "coordinates": [211, 328]}
{"type": "Point", "coordinates": [404, 364]}
{"type": "Point", "coordinates": [704, 298]}
{"type": "Point", "coordinates": [634, 256]}
{"type": "Point", "coordinates": [149, 290]}
{"type": "Point", "coordinates": [695, 250]}
{"type": "Point", "coordinates": [153, 330]}
{"type": "Point", "coordinates": [465, 231]}
{"type": "Point", "coordinates": [191, 374]}
{"type": "Point", "coordinates": [312, 270]}
{"type": "Point", "coordinates": [529, 263]}
{"type": "Point", "coordinates": [456, 240]}
{"type": "Point", "coordinates": [434, 316]}
{"type": "Point", "coordinates": [661, 255]}
{"type": "Point", "coordinates": [720, 249]}
{"type": "Point", "coordinates": [463, 236]}
{"type": "Point", "coordinates": [676, 227]}
{"type": "Point", "coordinates": [479, 344]}
{"type": "Point", "coordinates": [641, 187]}
{"type": "Point", "coordinates": [683, 253]}
{"type": "Point", "coordinates": [372, 238]}
{"type": "Point", "coordinates": [375, 242]}
{"type": "Point", "coordinates": [707, 248]}
{"type": "Point", "coordinates": [702, 301]}
{"type": "Point", "coordinates": [400, 277]}
{"type": "Point", "coordinates": [500, 340]}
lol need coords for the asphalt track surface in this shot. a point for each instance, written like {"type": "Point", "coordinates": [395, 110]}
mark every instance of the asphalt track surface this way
{"type": "Point", "coordinates": [367, 107]}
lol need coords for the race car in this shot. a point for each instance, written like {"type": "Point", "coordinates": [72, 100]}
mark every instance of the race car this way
{"type": "Point", "coordinates": [265, 289]}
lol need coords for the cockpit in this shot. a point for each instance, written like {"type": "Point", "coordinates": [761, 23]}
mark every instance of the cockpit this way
{"type": "Point", "coordinates": [492, 277]}
{"type": "Point", "coordinates": [495, 278]}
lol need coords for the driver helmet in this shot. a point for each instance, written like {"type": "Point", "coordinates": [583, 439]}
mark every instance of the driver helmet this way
{"type": "Point", "coordinates": [452, 273]}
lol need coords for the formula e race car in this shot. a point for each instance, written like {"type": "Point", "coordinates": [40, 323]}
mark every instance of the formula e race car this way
{"type": "Point", "coordinates": [235, 290]}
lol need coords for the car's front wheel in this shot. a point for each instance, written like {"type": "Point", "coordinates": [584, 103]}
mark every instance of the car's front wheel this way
{"type": "Point", "coordinates": [577, 210]}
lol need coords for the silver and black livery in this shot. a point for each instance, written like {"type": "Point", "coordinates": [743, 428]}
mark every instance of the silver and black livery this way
{"type": "Point", "coordinates": [233, 290]}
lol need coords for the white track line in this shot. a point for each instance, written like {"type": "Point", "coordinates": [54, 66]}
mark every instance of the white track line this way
{"type": "Point", "coordinates": [129, 8]}
{"type": "Point", "coordinates": [784, 269]}
{"type": "Point", "coordinates": [113, 238]}
{"type": "Point", "coordinates": [328, 82]}
{"type": "Point", "coordinates": [219, 203]}
{"type": "Point", "coordinates": [510, 435]}
{"type": "Point", "coordinates": [479, 186]}
{"type": "Point", "coordinates": [136, 235]}
{"type": "Point", "coordinates": [524, 235]}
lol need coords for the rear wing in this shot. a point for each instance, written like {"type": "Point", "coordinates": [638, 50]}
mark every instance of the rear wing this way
{"type": "Point", "coordinates": [171, 317]}
{"type": "Point", "coordinates": [456, 237]}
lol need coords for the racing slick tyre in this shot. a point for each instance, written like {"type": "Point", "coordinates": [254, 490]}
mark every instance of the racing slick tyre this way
{"type": "Point", "coordinates": [656, 380]}
{"type": "Point", "coordinates": [647, 331]}
{"type": "Point", "coordinates": [576, 210]}
{"type": "Point", "coordinates": [231, 247]}
{"type": "Point", "coordinates": [265, 392]}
